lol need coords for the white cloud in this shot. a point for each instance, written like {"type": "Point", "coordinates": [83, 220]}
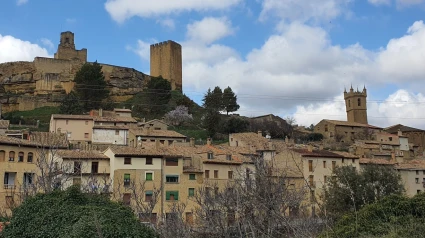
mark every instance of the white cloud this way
{"type": "Point", "coordinates": [209, 29]}
{"type": "Point", "coordinates": [142, 49]}
{"type": "Point", "coordinates": [400, 107]}
{"type": "Point", "coordinates": [408, 3]}
{"type": "Point", "coordinates": [303, 10]}
{"type": "Point", "coordinates": [168, 23]}
{"type": "Point", "coordinates": [121, 10]}
{"type": "Point", "coordinates": [13, 49]}
{"type": "Point", "coordinates": [298, 67]}
{"type": "Point", "coordinates": [380, 2]}
{"type": "Point", "coordinates": [21, 2]}
{"type": "Point", "coordinates": [48, 43]}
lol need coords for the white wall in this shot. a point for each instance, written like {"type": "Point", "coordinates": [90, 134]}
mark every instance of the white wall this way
{"type": "Point", "coordinates": [108, 136]}
{"type": "Point", "coordinates": [404, 144]}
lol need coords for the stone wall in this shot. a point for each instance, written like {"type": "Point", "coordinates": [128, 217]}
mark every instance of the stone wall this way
{"type": "Point", "coordinates": [166, 60]}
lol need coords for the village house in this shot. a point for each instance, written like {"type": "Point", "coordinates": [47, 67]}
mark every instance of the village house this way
{"type": "Point", "coordinates": [18, 164]}
{"type": "Point", "coordinates": [138, 136]}
{"type": "Point", "coordinates": [415, 136]}
{"type": "Point", "coordinates": [413, 176]}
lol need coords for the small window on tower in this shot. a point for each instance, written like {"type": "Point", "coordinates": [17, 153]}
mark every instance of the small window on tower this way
{"type": "Point", "coordinates": [358, 102]}
{"type": "Point", "coordinates": [349, 103]}
{"type": "Point", "coordinates": [66, 40]}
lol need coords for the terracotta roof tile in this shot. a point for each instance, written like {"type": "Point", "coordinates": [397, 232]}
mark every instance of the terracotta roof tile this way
{"type": "Point", "coordinates": [377, 161]}
{"type": "Point", "coordinates": [355, 124]}
{"type": "Point", "coordinates": [253, 139]}
{"type": "Point", "coordinates": [156, 133]}
{"type": "Point", "coordinates": [317, 153]}
{"type": "Point", "coordinates": [110, 127]}
{"type": "Point", "coordinates": [6, 140]}
{"type": "Point", "coordinates": [4, 124]}
{"type": "Point", "coordinates": [48, 138]}
{"type": "Point", "coordinates": [394, 129]}
{"type": "Point", "coordinates": [412, 165]}
{"type": "Point", "coordinates": [346, 154]}
{"type": "Point", "coordinates": [115, 119]}
{"type": "Point", "coordinates": [72, 117]}
{"type": "Point", "coordinates": [83, 154]}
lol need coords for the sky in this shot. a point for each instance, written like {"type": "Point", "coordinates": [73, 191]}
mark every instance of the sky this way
{"type": "Point", "coordinates": [283, 57]}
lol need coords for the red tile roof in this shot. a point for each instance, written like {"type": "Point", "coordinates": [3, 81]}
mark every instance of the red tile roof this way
{"type": "Point", "coordinates": [317, 153]}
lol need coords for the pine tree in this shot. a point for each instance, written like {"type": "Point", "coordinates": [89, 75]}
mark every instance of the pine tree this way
{"type": "Point", "coordinates": [90, 86]}
{"type": "Point", "coordinates": [230, 101]}
{"type": "Point", "coordinates": [71, 104]}
{"type": "Point", "coordinates": [213, 100]}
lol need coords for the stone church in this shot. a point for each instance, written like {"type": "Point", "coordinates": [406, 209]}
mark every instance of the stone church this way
{"type": "Point", "coordinates": [45, 81]}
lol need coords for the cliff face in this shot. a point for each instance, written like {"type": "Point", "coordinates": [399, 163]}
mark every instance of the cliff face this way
{"type": "Point", "coordinates": [45, 81]}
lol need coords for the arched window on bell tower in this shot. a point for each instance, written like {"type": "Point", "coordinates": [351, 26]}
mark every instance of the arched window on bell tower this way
{"type": "Point", "coordinates": [359, 103]}
{"type": "Point", "coordinates": [349, 103]}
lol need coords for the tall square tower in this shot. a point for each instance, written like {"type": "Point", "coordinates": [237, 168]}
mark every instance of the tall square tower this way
{"type": "Point", "coordinates": [166, 61]}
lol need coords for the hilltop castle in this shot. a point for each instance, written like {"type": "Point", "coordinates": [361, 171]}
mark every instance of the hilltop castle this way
{"type": "Point", "coordinates": [44, 81]}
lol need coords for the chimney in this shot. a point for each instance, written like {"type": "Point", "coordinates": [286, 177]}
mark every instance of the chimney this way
{"type": "Point", "coordinates": [192, 141]}
{"type": "Point", "coordinates": [91, 113]}
{"type": "Point", "coordinates": [101, 112]}
{"type": "Point", "coordinates": [310, 148]}
{"type": "Point", "coordinates": [156, 144]}
{"type": "Point", "coordinates": [260, 133]}
{"type": "Point", "coordinates": [208, 141]}
{"type": "Point", "coordinates": [399, 133]}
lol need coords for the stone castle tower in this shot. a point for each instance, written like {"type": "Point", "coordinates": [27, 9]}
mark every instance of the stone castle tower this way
{"type": "Point", "coordinates": [166, 60]}
{"type": "Point", "coordinates": [355, 104]}
{"type": "Point", "coordinates": [67, 51]}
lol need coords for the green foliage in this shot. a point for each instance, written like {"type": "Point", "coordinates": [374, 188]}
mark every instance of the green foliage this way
{"type": "Point", "coordinates": [71, 213]}
{"type": "Point", "coordinates": [310, 137]}
{"type": "Point", "coordinates": [90, 86]}
{"type": "Point", "coordinates": [352, 190]}
{"type": "Point", "coordinates": [230, 101]}
{"type": "Point", "coordinates": [211, 122]}
{"type": "Point", "coordinates": [213, 100]}
{"type": "Point", "coordinates": [235, 125]}
{"type": "Point", "coordinates": [154, 100]}
{"type": "Point", "coordinates": [392, 216]}
{"type": "Point", "coordinates": [71, 104]}
{"type": "Point", "coordinates": [195, 133]}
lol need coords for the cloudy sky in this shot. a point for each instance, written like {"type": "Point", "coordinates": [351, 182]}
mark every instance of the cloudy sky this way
{"type": "Point", "coordinates": [286, 57]}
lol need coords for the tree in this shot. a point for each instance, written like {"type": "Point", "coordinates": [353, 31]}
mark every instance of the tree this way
{"type": "Point", "coordinates": [352, 190]}
{"type": "Point", "coordinates": [71, 213]}
{"type": "Point", "coordinates": [178, 116]}
{"type": "Point", "coordinates": [393, 216]}
{"type": "Point", "coordinates": [290, 120]}
{"type": "Point", "coordinates": [90, 86]}
{"type": "Point", "coordinates": [71, 104]}
{"type": "Point", "coordinates": [235, 125]}
{"type": "Point", "coordinates": [230, 101]}
{"type": "Point", "coordinates": [153, 101]}
{"type": "Point", "coordinates": [213, 100]}
{"type": "Point", "coordinates": [211, 121]}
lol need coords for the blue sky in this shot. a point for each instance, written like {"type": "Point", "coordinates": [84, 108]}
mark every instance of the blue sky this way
{"type": "Point", "coordinates": [289, 58]}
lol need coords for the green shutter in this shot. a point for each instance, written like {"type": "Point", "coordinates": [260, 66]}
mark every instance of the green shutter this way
{"type": "Point", "coordinates": [149, 192]}
{"type": "Point", "coordinates": [192, 177]}
{"type": "Point", "coordinates": [191, 192]}
{"type": "Point", "coordinates": [149, 176]}
{"type": "Point", "coordinates": [167, 195]}
{"type": "Point", "coordinates": [127, 176]}
{"type": "Point", "coordinates": [175, 193]}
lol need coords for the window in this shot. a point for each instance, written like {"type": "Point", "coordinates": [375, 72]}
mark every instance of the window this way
{"type": "Point", "coordinates": [311, 181]}
{"type": "Point", "coordinates": [325, 179]}
{"type": "Point", "coordinates": [192, 176]}
{"type": "Point", "coordinates": [148, 160]}
{"type": "Point", "coordinates": [77, 166]}
{"type": "Point", "coordinates": [229, 157]}
{"type": "Point", "coordinates": [207, 174]}
{"type": "Point", "coordinates": [69, 134]}
{"type": "Point", "coordinates": [230, 174]}
{"type": "Point", "coordinates": [324, 164]}
{"type": "Point", "coordinates": [189, 218]}
{"type": "Point", "coordinates": [126, 198]}
{"type": "Point", "coordinates": [67, 122]}
{"type": "Point", "coordinates": [9, 201]}
{"type": "Point", "coordinates": [87, 122]}
{"type": "Point", "coordinates": [172, 162]}
{"type": "Point", "coordinates": [172, 195]}
{"type": "Point", "coordinates": [2, 155]}
{"type": "Point", "coordinates": [310, 165]}
{"type": "Point", "coordinates": [127, 160]}
{"type": "Point", "coordinates": [76, 181]}
{"type": "Point", "coordinates": [86, 135]}
{"type": "Point", "coordinates": [353, 160]}
{"type": "Point", "coordinates": [21, 157]}
{"type": "Point", "coordinates": [6, 178]}
{"type": "Point", "coordinates": [418, 191]}
{"type": "Point", "coordinates": [349, 103]}
{"type": "Point", "coordinates": [342, 160]}
{"type": "Point", "coordinates": [390, 138]}
{"type": "Point", "coordinates": [359, 102]}
{"type": "Point", "coordinates": [171, 178]}
{"type": "Point", "coordinates": [326, 128]}
{"type": "Point", "coordinates": [312, 196]}
{"type": "Point", "coordinates": [417, 172]}
{"type": "Point", "coordinates": [210, 155]}
{"type": "Point", "coordinates": [191, 192]}
{"type": "Point", "coordinates": [126, 179]}
{"type": "Point", "coordinates": [215, 173]}
{"type": "Point", "coordinates": [148, 196]}
{"type": "Point", "coordinates": [231, 218]}
{"type": "Point", "coordinates": [423, 180]}
{"type": "Point", "coordinates": [28, 178]}
{"type": "Point", "coordinates": [149, 176]}
{"type": "Point", "coordinates": [417, 180]}
{"type": "Point", "coordinates": [333, 164]}
{"type": "Point", "coordinates": [29, 157]}
{"type": "Point", "coordinates": [117, 132]}
{"type": "Point", "coordinates": [94, 167]}
{"type": "Point", "coordinates": [423, 172]}
{"type": "Point", "coordinates": [12, 156]}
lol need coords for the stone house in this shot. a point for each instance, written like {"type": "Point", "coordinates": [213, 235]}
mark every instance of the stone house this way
{"type": "Point", "coordinates": [413, 176]}
{"type": "Point", "coordinates": [415, 135]}
{"type": "Point", "coordinates": [138, 136]}
{"type": "Point", "coordinates": [344, 131]}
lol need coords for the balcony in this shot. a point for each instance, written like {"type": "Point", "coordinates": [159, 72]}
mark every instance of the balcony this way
{"type": "Point", "coordinates": [9, 186]}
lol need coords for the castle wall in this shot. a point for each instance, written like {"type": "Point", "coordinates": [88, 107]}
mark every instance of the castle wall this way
{"type": "Point", "coordinates": [166, 60]}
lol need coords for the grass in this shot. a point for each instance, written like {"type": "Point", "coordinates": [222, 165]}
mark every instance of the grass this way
{"type": "Point", "coordinates": [195, 133]}
{"type": "Point", "coordinates": [43, 114]}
